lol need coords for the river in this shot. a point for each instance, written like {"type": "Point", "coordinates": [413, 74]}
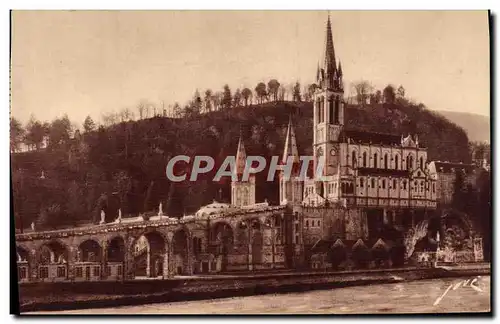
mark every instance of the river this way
{"type": "Point", "coordinates": [425, 296]}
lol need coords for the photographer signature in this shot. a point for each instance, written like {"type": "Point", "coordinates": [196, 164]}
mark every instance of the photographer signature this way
{"type": "Point", "coordinates": [459, 284]}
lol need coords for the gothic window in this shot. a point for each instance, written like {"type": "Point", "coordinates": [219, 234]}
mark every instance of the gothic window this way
{"type": "Point", "coordinates": [434, 187]}
{"type": "Point", "coordinates": [322, 110]}
{"type": "Point", "coordinates": [404, 184]}
{"type": "Point", "coordinates": [386, 162]}
{"type": "Point", "coordinates": [373, 183]}
{"type": "Point", "coordinates": [307, 223]}
{"type": "Point", "coordinates": [383, 183]}
{"type": "Point", "coordinates": [409, 162]}
{"type": "Point", "coordinates": [361, 182]}
{"type": "Point", "coordinates": [397, 162]}
{"type": "Point", "coordinates": [375, 159]}
{"type": "Point", "coordinates": [337, 110]}
{"type": "Point", "coordinates": [354, 159]}
{"type": "Point", "coordinates": [364, 159]}
{"type": "Point", "coordinates": [421, 162]}
{"type": "Point", "coordinates": [318, 110]}
{"type": "Point", "coordinates": [331, 110]}
{"type": "Point", "coordinates": [394, 183]}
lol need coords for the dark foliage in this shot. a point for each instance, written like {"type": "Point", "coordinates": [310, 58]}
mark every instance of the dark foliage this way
{"type": "Point", "coordinates": [121, 161]}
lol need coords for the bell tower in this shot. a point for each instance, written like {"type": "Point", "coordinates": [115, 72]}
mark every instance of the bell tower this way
{"type": "Point", "coordinates": [328, 108]}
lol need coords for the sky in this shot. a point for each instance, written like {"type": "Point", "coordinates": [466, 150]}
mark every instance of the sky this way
{"type": "Point", "coordinates": [93, 62]}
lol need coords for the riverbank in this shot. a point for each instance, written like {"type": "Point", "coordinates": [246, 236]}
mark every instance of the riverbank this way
{"type": "Point", "coordinates": [81, 295]}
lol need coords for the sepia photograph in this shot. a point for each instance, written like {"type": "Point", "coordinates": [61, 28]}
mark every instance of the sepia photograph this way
{"type": "Point", "coordinates": [255, 162]}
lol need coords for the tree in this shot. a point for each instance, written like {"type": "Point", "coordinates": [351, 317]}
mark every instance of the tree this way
{"type": "Point", "coordinates": [401, 92]}
{"type": "Point", "coordinates": [16, 134]}
{"type": "Point", "coordinates": [376, 97]}
{"type": "Point", "coordinates": [296, 92]}
{"type": "Point", "coordinates": [35, 133]}
{"type": "Point", "coordinates": [122, 183]}
{"type": "Point", "coordinates": [260, 91]}
{"type": "Point", "coordinates": [237, 98]}
{"type": "Point", "coordinates": [226, 98]}
{"type": "Point", "coordinates": [311, 89]}
{"type": "Point", "coordinates": [217, 100]}
{"type": "Point", "coordinates": [109, 119]}
{"type": "Point", "coordinates": [389, 94]}
{"type": "Point", "coordinates": [273, 86]}
{"type": "Point", "coordinates": [197, 102]}
{"type": "Point", "coordinates": [362, 89]}
{"type": "Point", "coordinates": [88, 124]}
{"type": "Point", "coordinates": [148, 201]}
{"type": "Point", "coordinates": [247, 95]}
{"type": "Point", "coordinates": [208, 100]}
{"type": "Point", "coordinates": [60, 130]}
{"type": "Point", "coordinates": [141, 108]}
{"type": "Point", "coordinates": [177, 110]}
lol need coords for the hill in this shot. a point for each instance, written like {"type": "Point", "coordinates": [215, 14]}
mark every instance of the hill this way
{"type": "Point", "coordinates": [476, 126]}
{"type": "Point", "coordinates": [123, 166]}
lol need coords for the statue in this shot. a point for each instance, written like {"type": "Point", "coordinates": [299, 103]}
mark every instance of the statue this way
{"type": "Point", "coordinates": [160, 209]}
{"type": "Point", "coordinates": [119, 219]}
{"type": "Point", "coordinates": [103, 215]}
{"type": "Point", "coordinates": [33, 226]}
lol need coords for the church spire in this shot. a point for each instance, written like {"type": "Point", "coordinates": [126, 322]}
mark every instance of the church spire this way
{"type": "Point", "coordinates": [290, 144]}
{"type": "Point", "coordinates": [241, 157]}
{"type": "Point", "coordinates": [330, 64]}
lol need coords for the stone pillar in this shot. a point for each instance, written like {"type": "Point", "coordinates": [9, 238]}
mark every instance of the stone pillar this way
{"type": "Point", "coordinates": [170, 253]}
{"type": "Point", "coordinates": [104, 260]}
{"type": "Point", "coordinates": [72, 253]}
{"type": "Point", "coordinates": [128, 268]}
{"type": "Point", "coordinates": [148, 260]}
{"type": "Point", "coordinates": [189, 256]}
{"type": "Point", "coordinates": [166, 259]}
{"type": "Point", "coordinates": [273, 242]}
{"type": "Point", "coordinates": [32, 266]}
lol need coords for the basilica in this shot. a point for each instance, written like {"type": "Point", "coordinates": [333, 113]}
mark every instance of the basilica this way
{"type": "Point", "coordinates": [368, 190]}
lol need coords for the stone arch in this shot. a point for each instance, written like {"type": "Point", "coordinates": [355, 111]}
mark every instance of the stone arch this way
{"type": "Point", "coordinates": [365, 156]}
{"type": "Point", "coordinates": [23, 263]}
{"type": "Point", "coordinates": [256, 240]}
{"type": "Point", "coordinates": [116, 249]}
{"type": "Point", "coordinates": [89, 251]}
{"type": "Point", "coordinates": [180, 250]}
{"type": "Point", "coordinates": [52, 257]}
{"type": "Point", "coordinates": [396, 161]}
{"type": "Point", "coordinates": [149, 254]}
{"type": "Point", "coordinates": [223, 238]}
{"type": "Point", "coordinates": [52, 252]}
{"type": "Point", "coordinates": [354, 158]}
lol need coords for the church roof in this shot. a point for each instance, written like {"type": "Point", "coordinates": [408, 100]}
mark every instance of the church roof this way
{"type": "Point", "coordinates": [290, 144]}
{"type": "Point", "coordinates": [241, 157]}
{"type": "Point", "coordinates": [382, 172]}
{"type": "Point", "coordinates": [449, 167]}
{"type": "Point", "coordinates": [363, 137]}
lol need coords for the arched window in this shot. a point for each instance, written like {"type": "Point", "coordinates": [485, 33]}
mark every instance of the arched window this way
{"type": "Point", "coordinates": [386, 161]}
{"type": "Point", "coordinates": [331, 110]}
{"type": "Point", "coordinates": [373, 183]}
{"type": "Point", "coordinates": [394, 184]}
{"type": "Point", "coordinates": [396, 160]}
{"type": "Point", "coordinates": [354, 159]}
{"type": "Point", "coordinates": [421, 162]}
{"type": "Point", "coordinates": [361, 182]}
{"type": "Point", "coordinates": [404, 184]}
{"type": "Point", "coordinates": [375, 159]}
{"type": "Point", "coordinates": [383, 183]}
{"type": "Point", "coordinates": [364, 159]}
{"type": "Point", "coordinates": [307, 223]}
{"type": "Point", "coordinates": [337, 110]}
{"type": "Point", "coordinates": [434, 187]}
{"type": "Point", "coordinates": [410, 162]}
